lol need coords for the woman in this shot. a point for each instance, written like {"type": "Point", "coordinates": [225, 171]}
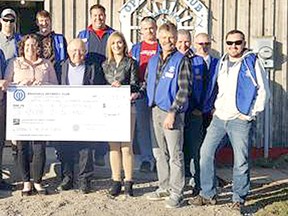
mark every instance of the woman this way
{"type": "Point", "coordinates": [30, 70]}
{"type": "Point", "coordinates": [119, 69]}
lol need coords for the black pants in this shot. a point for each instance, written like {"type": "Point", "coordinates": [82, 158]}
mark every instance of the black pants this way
{"type": "Point", "coordinates": [70, 153]}
{"type": "Point", "coordinates": [36, 149]}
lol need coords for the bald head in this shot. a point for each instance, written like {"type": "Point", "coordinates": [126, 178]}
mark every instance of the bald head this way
{"type": "Point", "coordinates": [76, 51]}
{"type": "Point", "coordinates": [202, 44]}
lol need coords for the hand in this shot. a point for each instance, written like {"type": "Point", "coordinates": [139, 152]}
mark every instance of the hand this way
{"type": "Point", "coordinates": [26, 82]}
{"type": "Point", "coordinates": [3, 85]}
{"type": "Point", "coordinates": [116, 84]}
{"type": "Point", "coordinates": [169, 121]}
{"type": "Point", "coordinates": [134, 96]}
{"type": "Point", "coordinates": [242, 117]}
{"type": "Point", "coordinates": [37, 82]}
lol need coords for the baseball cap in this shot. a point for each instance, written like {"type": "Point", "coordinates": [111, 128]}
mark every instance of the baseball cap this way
{"type": "Point", "coordinates": [8, 11]}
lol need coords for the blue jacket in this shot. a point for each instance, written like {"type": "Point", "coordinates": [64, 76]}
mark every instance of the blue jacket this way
{"type": "Point", "coordinates": [136, 49]}
{"type": "Point", "coordinates": [211, 91]}
{"type": "Point", "coordinates": [199, 71]}
{"type": "Point", "coordinates": [60, 52]}
{"type": "Point", "coordinates": [246, 90]}
{"type": "Point", "coordinates": [162, 92]}
{"type": "Point", "coordinates": [2, 64]}
{"type": "Point", "coordinates": [92, 55]}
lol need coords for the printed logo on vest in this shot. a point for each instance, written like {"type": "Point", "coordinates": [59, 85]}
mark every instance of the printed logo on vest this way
{"type": "Point", "coordinates": [170, 73]}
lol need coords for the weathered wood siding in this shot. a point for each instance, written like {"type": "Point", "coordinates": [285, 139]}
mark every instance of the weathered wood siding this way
{"type": "Point", "coordinates": [253, 17]}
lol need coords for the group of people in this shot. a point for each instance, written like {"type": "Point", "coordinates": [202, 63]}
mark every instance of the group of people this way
{"type": "Point", "coordinates": [176, 91]}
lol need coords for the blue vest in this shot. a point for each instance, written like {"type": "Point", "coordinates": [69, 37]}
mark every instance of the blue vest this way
{"type": "Point", "coordinates": [136, 49]}
{"type": "Point", "coordinates": [211, 91]}
{"type": "Point", "coordinates": [246, 90]}
{"type": "Point", "coordinates": [198, 86]}
{"type": "Point", "coordinates": [59, 47]}
{"type": "Point", "coordinates": [85, 35]}
{"type": "Point", "coordinates": [162, 92]}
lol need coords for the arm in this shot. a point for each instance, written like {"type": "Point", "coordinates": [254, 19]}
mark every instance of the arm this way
{"type": "Point", "coordinates": [184, 80]}
{"type": "Point", "coordinates": [263, 92]}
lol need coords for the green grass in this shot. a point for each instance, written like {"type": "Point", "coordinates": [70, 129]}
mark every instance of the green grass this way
{"type": "Point", "coordinates": [277, 208]}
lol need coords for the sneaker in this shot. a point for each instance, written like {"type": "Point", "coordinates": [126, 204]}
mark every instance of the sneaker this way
{"type": "Point", "coordinates": [200, 201]}
{"type": "Point", "coordinates": [145, 167]}
{"type": "Point", "coordinates": [128, 188]}
{"type": "Point", "coordinates": [158, 195]}
{"type": "Point", "coordinates": [237, 206]}
{"type": "Point", "coordinates": [115, 189]}
{"type": "Point", "coordinates": [173, 202]}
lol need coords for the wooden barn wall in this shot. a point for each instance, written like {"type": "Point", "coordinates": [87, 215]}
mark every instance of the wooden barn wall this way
{"type": "Point", "coordinates": [253, 17]}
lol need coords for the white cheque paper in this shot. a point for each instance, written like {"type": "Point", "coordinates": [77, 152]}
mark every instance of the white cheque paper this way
{"type": "Point", "coordinates": [78, 113]}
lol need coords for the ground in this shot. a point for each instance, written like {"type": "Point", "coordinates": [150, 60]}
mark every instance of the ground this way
{"type": "Point", "coordinates": [269, 196]}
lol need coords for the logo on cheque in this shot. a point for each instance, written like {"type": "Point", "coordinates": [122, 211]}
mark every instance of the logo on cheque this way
{"type": "Point", "coordinates": [19, 95]}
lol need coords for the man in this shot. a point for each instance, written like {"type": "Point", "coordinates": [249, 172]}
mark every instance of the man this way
{"type": "Point", "coordinates": [142, 52]}
{"type": "Point", "coordinates": [167, 91]}
{"type": "Point", "coordinates": [193, 131]}
{"type": "Point", "coordinates": [53, 45]}
{"type": "Point", "coordinates": [202, 45]}
{"type": "Point", "coordinates": [242, 93]}
{"type": "Point", "coordinates": [8, 37]}
{"type": "Point", "coordinates": [8, 44]}
{"type": "Point", "coordinates": [96, 35]}
{"type": "Point", "coordinates": [76, 71]}
{"type": "Point", "coordinates": [95, 38]}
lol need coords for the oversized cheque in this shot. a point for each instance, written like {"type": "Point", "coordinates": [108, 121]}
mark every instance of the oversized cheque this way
{"type": "Point", "coordinates": [79, 113]}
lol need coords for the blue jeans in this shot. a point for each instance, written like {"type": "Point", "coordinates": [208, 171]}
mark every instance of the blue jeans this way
{"type": "Point", "coordinates": [144, 136]}
{"type": "Point", "coordinates": [238, 133]}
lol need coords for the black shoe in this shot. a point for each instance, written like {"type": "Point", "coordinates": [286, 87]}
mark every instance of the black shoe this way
{"type": "Point", "coordinates": [195, 192]}
{"type": "Point", "coordinates": [115, 189]}
{"type": "Point", "coordinates": [66, 184]}
{"type": "Point", "coordinates": [84, 186]}
{"type": "Point", "coordinates": [128, 188]}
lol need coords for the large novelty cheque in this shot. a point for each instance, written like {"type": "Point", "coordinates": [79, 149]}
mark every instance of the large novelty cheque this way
{"type": "Point", "coordinates": [77, 113]}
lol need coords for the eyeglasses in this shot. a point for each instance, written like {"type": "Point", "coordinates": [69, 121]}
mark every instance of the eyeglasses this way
{"type": "Point", "coordinates": [238, 42]}
{"type": "Point", "coordinates": [8, 20]}
{"type": "Point", "coordinates": [204, 43]}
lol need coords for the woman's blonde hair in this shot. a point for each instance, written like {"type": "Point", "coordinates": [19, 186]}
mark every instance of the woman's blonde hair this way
{"type": "Point", "coordinates": [112, 37]}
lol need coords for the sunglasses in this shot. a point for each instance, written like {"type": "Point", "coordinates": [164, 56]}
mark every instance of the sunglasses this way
{"type": "Point", "coordinates": [8, 20]}
{"type": "Point", "coordinates": [204, 43]}
{"type": "Point", "coordinates": [238, 42]}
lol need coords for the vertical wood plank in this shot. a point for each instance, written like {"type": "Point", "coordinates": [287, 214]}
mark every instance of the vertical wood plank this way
{"type": "Point", "coordinates": [81, 11]}
{"type": "Point", "coordinates": [69, 19]}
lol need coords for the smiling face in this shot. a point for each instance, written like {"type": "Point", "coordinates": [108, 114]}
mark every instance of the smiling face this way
{"type": "Point", "coordinates": [8, 24]}
{"type": "Point", "coordinates": [117, 46]}
{"type": "Point", "coordinates": [148, 30]}
{"type": "Point", "coordinates": [202, 45]}
{"type": "Point", "coordinates": [235, 45]}
{"type": "Point", "coordinates": [167, 40]}
{"type": "Point", "coordinates": [44, 24]}
{"type": "Point", "coordinates": [30, 49]}
{"type": "Point", "coordinates": [97, 18]}
{"type": "Point", "coordinates": [183, 43]}
{"type": "Point", "coordinates": [76, 51]}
